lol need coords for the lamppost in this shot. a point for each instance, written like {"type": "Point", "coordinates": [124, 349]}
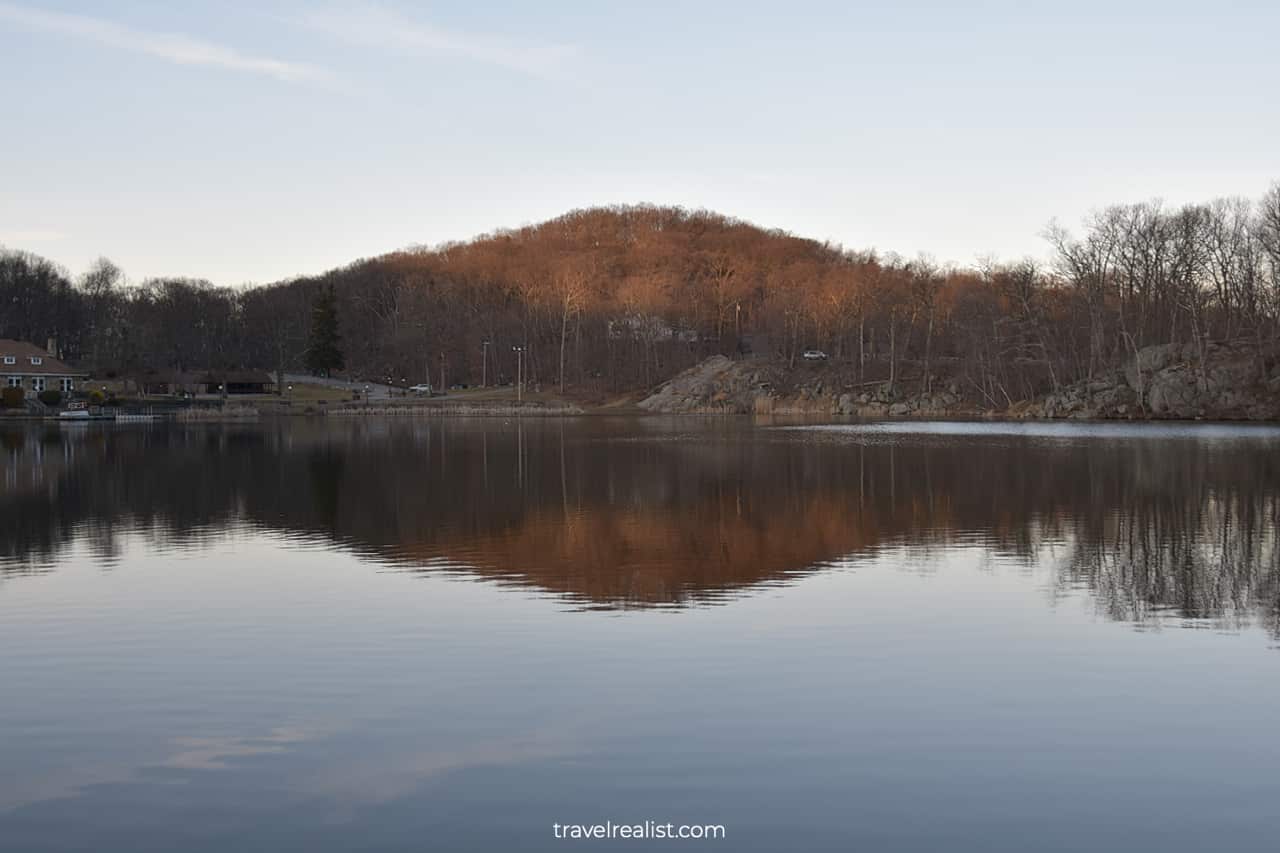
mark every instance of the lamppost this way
{"type": "Point", "coordinates": [484, 364]}
{"type": "Point", "coordinates": [290, 396]}
{"type": "Point", "coordinates": [519, 351]}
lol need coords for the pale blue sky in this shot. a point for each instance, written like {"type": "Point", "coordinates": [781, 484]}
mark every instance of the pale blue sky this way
{"type": "Point", "coordinates": [253, 141]}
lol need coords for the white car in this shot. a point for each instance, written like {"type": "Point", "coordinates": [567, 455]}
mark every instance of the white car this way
{"type": "Point", "coordinates": [814, 355]}
{"type": "Point", "coordinates": [421, 389]}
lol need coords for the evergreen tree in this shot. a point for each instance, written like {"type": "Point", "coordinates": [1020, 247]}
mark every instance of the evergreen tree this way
{"type": "Point", "coordinates": [324, 355]}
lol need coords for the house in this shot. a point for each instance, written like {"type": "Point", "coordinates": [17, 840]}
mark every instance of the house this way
{"type": "Point", "coordinates": [236, 382]}
{"type": "Point", "coordinates": [27, 366]}
{"type": "Point", "coordinates": [196, 383]}
{"type": "Point", "coordinates": [166, 383]}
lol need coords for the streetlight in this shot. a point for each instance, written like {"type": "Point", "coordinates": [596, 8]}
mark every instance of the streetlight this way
{"type": "Point", "coordinates": [484, 364]}
{"type": "Point", "coordinates": [519, 351]}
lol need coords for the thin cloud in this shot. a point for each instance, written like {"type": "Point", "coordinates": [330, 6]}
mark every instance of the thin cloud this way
{"type": "Point", "coordinates": [172, 47]}
{"type": "Point", "coordinates": [377, 26]}
{"type": "Point", "coordinates": [31, 235]}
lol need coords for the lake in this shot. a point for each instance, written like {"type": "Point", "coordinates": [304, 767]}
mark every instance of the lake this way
{"type": "Point", "coordinates": [413, 634]}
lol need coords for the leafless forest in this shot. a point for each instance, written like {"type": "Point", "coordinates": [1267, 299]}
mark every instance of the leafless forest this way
{"type": "Point", "coordinates": [613, 299]}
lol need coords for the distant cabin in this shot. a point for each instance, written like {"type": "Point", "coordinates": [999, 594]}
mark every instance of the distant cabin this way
{"type": "Point", "coordinates": [27, 366]}
{"type": "Point", "coordinates": [175, 383]}
{"type": "Point", "coordinates": [238, 382]}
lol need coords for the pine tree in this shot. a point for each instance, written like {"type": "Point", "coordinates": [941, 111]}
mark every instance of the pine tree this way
{"type": "Point", "coordinates": [323, 353]}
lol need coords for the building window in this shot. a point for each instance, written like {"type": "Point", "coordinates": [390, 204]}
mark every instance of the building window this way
{"type": "Point", "coordinates": [9, 359]}
{"type": "Point", "coordinates": [37, 384]}
{"type": "Point", "coordinates": [37, 360]}
{"type": "Point", "coordinates": [66, 385]}
{"type": "Point", "coordinates": [15, 381]}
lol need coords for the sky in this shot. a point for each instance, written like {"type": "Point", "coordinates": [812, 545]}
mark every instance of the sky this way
{"type": "Point", "coordinates": [251, 142]}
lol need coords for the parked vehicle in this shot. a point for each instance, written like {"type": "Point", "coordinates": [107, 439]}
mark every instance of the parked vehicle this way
{"type": "Point", "coordinates": [814, 355]}
{"type": "Point", "coordinates": [424, 388]}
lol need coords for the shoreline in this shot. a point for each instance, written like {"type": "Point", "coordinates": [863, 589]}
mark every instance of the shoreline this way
{"type": "Point", "coordinates": [545, 413]}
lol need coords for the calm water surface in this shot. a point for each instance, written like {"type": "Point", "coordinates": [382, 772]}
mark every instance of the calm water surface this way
{"type": "Point", "coordinates": [398, 635]}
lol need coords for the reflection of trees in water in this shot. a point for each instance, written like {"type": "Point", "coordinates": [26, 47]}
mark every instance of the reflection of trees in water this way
{"type": "Point", "coordinates": [1208, 556]}
{"type": "Point", "coordinates": [177, 489]}
{"type": "Point", "coordinates": [614, 518]}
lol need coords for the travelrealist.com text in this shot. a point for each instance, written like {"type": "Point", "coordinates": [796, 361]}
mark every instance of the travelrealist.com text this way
{"type": "Point", "coordinates": [650, 829]}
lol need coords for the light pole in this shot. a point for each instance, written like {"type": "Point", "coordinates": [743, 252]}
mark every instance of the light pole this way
{"type": "Point", "coordinates": [519, 351]}
{"type": "Point", "coordinates": [484, 364]}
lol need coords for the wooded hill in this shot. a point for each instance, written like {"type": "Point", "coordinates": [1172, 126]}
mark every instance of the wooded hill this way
{"type": "Point", "coordinates": [614, 299]}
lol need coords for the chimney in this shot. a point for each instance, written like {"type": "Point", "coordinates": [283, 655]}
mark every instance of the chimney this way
{"type": "Point", "coordinates": [52, 347]}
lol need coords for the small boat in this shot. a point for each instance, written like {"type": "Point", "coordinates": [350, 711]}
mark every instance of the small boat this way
{"type": "Point", "coordinates": [79, 411]}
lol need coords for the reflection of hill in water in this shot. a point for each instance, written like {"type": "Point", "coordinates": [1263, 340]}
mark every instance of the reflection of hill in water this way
{"type": "Point", "coordinates": [663, 555]}
{"type": "Point", "coordinates": [610, 517]}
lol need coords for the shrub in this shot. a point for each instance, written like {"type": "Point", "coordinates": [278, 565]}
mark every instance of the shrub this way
{"type": "Point", "coordinates": [50, 397]}
{"type": "Point", "coordinates": [13, 397]}
{"type": "Point", "coordinates": [96, 397]}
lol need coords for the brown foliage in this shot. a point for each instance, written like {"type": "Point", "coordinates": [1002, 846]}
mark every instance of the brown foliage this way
{"type": "Point", "coordinates": [621, 298]}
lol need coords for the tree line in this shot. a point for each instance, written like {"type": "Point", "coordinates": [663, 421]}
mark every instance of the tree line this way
{"type": "Point", "coordinates": [620, 298]}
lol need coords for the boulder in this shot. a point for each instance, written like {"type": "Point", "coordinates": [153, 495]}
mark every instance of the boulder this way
{"type": "Point", "coordinates": [1173, 393]}
{"type": "Point", "coordinates": [1149, 360]}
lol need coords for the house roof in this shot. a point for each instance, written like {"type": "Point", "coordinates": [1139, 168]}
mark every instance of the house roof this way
{"type": "Point", "coordinates": [238, 377]}
{"type": "Point", "coordinates": [31, 360]}
{"type": "Point", "coordinates": [206, 377]}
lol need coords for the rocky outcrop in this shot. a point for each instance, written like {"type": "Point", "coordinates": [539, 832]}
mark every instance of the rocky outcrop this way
{"type": "Point", "coordinates": [886, 401]}
{"type": "Point", "coordinates": [717, 385]}
{"type": "Point", "coordinates": [722, 386]}
{"type": "Point", "coordinates": [1175, 381]}
{"type": "Point", "coordinates": [1216, 381]}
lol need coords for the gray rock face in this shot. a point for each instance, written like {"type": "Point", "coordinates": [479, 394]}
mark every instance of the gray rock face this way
{"type": "Point", "coordinates": [1150, 360]}
{"type": "Point", "coordinates": [1173, 393]}
{"type": "Point", "coordinates": [1171, 381]}
{"type": "Point", "coordinates": [716, 385]}
{"type": "Point", "coordinates": [1165, 381]}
